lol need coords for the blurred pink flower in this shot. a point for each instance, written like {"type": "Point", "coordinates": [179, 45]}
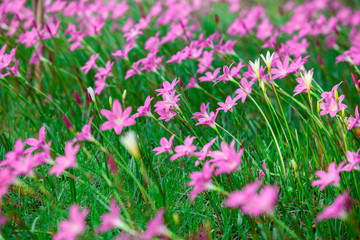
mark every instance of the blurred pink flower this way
{"type": "Point", "coordinates": [201, 180]}
{"type": "Point", "coordinates": [261, 172]}
{"type": "Point", "coordinates": [339, 209]}
{"type": "Point", "coordinates": [117, 119]}
{"type": "Point", "coordinates": [328, 178]}
{"type": "Point", "coordinates": [245, 90]}
{"type": "Point", "coordinates": [253, 203]}
{"type": "Point", "coordinates": [210, 76]}
{"type": "Point", "coordinates": [353, 160]}
{"type": "Point", "coordinates": [75, 226]}
{"type": "Point", "coordinates": [85, 134]}
{"type": "Point", "coordinates": [205, 151]}
{"type": "Point", "coordinates": [111, 220]}
{"type": "Point", "coordinates": [227, 160]}
{"type": "Point", "coordinates": [354, 122]}
{"type": "Point", "coordinates": [156, 227]}
{"type": "Point", "coordinates": [37, 144]}
{"type": "Point", "coordinates": [66, 161]}
{"type": "Point", "coordinates": [90, 64]}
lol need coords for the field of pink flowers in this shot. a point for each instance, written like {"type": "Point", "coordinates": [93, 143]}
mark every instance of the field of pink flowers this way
{"type": "Point", "coordinates": [179, 119]}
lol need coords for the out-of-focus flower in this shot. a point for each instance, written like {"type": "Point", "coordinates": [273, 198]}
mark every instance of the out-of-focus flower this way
{"type": "Point", "coordinates": [328, 178]}
{"type": "Point", "coordinates": [184, 150]}
{"type": "Point", "coordinates": [339, 209]}
{"type": "Point", "coordinates": [75, 226]}
{"type": "Point", "coordinates": [165, 145]}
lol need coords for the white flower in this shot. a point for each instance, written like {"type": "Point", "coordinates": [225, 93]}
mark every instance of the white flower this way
{"type": "Point", "coordinates": [130, 143]}
{"type": "Point", "coordinates": [268, 59]}
{"type": "Point", "coordinates": [256, 67]}
{"type": "Point", "coordinates": [90, 90]}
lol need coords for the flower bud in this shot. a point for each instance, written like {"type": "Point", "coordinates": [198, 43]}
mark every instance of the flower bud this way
{"type": "Point", "coordinates": [91, 94]}
{"type": "Point", "coordinates": [78, 101]}
{"type": "Point", "coordinates": [124, 95]}
{"type": "Point", "coordinates": [176, 218]}
{"type": "Point", "coordinates": [294, 165]}
{"type": "Point", "coordinates": [67, 122]}
{"type": "Point", "coordinates": [110, 101]}
{"type": "Point", "coordinates": [130, 143]}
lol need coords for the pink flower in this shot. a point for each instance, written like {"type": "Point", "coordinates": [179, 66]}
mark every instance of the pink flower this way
{"type": "Point", "coordinates": [85, 134]}
{"type": "Point", "coordinates": [245, 90]}
{"type": "Point", "coordinates": [239, 198]}
{"type": "Point", "coordinates": [6, 179]}
{"type": "Point", "coordinates": [210, 76]}
{"type": "Point", "coordinates": [105, 71]}
{"type": "Point", "coordinates": [339, 209]}
{"type": "Point", "coordinates": [90, 64]}
{"type": "Point", "coordinates": [354, 122]}
{"type": "Point", "coordinates": [111, 220]}
{"type": "Point", "coordinates": [117, 119]}
{"type": "Point", "coordinates": [252, 203]}
{"type": "Point", "coordinates": [201, 180]}
{"type": "Point", "coordinates": [156, 227]}
{"type": "Point", "coordinates": [67, 161]}
{"type": "Point", "coordinates": [230, 73]}
{"type": "Point", "coordinates": [204, 118]}
{"type": "Point", "coordinates": [75, 226]}
{"type": "Point", "coordinates": [353, 159]}
{"type": "Point", "coordinates": [227, 160]}
{"type": "Point", "coordinates": [328, 178]}
{"type": "Point", "coordinates": [228, 105]}
{"type": "Point", "coordinates": [184, 150]}
{"type": "Point", "coordinates": [283, 69]}
{"type": "Point", "coordinates": [261, 172]}
{"type": "Point", "coordinates": [165, 145]}
{"type": "Point", "coordinates": [205, 151]}
{"type": "Point", "coordinates": [144, 110]}
{"type": "Point", "coordinates": [37, 144]}
{"type": "Point", "coordinates": [100, 84]}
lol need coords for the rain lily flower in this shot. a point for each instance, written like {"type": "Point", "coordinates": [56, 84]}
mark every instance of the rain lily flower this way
{"type": "Point", "coordinates": [261, 172]}
{"type": "Point", "coordinates": [165, 145]}
{"type": "Point", "coordinates": [256, 67]}
{"type": "Point", "coordinates": [105, 71]}
{"type": "Point", "coordinates": [201, 180]}
{"type": "Point", "coordinates": [85, 134]}
{"type": "Point", "coordinates": [67, 161]}
{"type": "Point", "coordinates": [244, 91]}
{"type": "Point", "coordinates": [117, 118]}
{"type": "Point", "coordinates": [100, 84]}
{"type": "Point", "coordinates": [332, 104]}
{"type": "Point", "coordinates": [339, 209]}
{"type": "Point", "coordinates": [144, 110]}
{"type": "Point", "coordinates": [354, 122]}
{"type": "Point", "coordinates": [205, 151]}
{"type": "Point", "coordinates": [37, 144]}
{"type": "Point", "coordinates": [184, 150]}
{"type": "Point", "coordinates": [228, 159]}
{"type": "Point", "coordinates": [253, 203]}
{"type": "Point", "coordinates": [204, 118]}
{"type": "Point", "coordinates": [129, 141]}
{"type": "Point", "coordinates": [328, 178]}
{"type": "Point", "coordinates": [156, 227]}
{"type": "Point", "coordinates": [7, 177]}
{"type": "Point", "coordinates": [228, 105]}
{"type": "Point", "coordinates": [75, 226]}
{"type": "Point", "coordinates": [111, 220]}
{"type": "Point", "coordinates": [90, 64]}
{"type": "Point", "coordinates": [353, 160]}
{"type": "Point", "coordinates": [283, 69]}
{"type": "Point", "coordinates": [210, 76]}
{"type": "Point", "coordinates": [304, 82]}
{"type": "Point", "coordinates": [268, 59]}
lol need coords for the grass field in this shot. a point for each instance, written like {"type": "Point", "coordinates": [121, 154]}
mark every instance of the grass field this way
{"type": "Point", "coordinates": [179, 119]}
